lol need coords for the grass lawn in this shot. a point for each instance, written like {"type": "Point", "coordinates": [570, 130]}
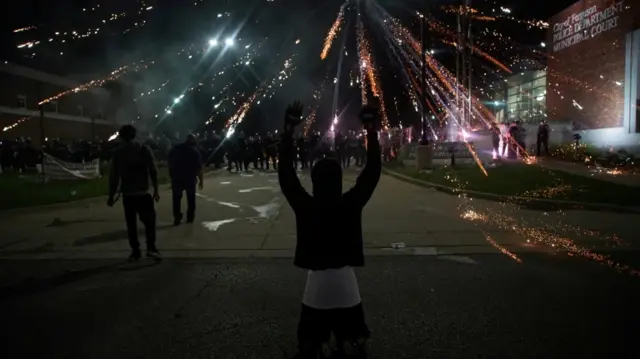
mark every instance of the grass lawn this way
{"type": "Point", "coordinates": [29, 190]}
{"type": "Point", "coordinates": [530, 181]}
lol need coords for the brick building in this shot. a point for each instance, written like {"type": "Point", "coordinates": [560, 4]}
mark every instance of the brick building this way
{"type": "Point", "coordinates": [593, 70]}
{"type": "Point", "coordinates": [81, 115]}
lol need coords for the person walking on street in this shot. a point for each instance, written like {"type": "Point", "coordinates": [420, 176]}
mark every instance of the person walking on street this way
{"type": "Point", "coordinates": [185, 170]}
{"type": "Point", "coordinates": [132, 166]}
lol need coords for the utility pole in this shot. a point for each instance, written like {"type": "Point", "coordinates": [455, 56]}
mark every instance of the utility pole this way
{"type": "Point", "coordinates": [93, 128]}
{"type": "Point", "coordinates": [425, 126]}
{"type": "Point", "coordinates": [458, 109]}
{"type": "Point", "coordinates": [42, 138]}
{"type": "Point", "coordinates": [470, 53]}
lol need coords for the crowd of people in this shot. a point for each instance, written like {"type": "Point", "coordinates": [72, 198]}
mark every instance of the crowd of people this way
{"type": "Point", "coordinates": [261, 152]}
{"type": "Point", "coordinates": [21, 155]}
{"type": "Point", "coordinates": [237, 151]}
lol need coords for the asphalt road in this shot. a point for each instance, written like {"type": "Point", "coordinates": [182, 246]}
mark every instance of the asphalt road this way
{"type": "Point", "coordinates": [476, 306]}
{"type": "Point", "coordinates": [445, 277]}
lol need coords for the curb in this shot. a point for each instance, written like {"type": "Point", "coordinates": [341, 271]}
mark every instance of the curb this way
{"type": "Point", "coordinates": [528, 201]}
{"type": "Point", "coordinates": [84, 201]}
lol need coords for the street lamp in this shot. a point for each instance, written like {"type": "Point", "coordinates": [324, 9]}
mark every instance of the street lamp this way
{"type": "Point", "coordinates": [213, 42]}
{"type": "Point", "coordinates": [229, 41]}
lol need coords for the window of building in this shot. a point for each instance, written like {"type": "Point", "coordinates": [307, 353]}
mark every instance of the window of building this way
{"type": "Point", "coordinates": [540, 82]}
{"type": "Point", "coordinates": [539, 92]}
{"type": "Point", "coordinates": [100, 115]}
{"type": "Point", "coordinates": [81, 111]}
{"type": "Point", "coordinates": [53, 105]}
{"type": "Point", "coordinates": [527, 101]}
{"type": "Point", "coordinates": [22, 101]}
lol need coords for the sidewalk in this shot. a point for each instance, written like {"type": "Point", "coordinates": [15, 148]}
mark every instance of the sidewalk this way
{"type": "Point", "coordinates": [604, 174]}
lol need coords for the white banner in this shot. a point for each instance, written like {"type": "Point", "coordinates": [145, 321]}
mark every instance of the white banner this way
{"type": "Point", "coordinates": [61, 170]}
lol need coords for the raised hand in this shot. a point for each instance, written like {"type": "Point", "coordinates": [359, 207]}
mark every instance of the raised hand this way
{"type": "Point", "coordinates": [369, 118]}
{"type": "Point", "coordinates": [293, 116]}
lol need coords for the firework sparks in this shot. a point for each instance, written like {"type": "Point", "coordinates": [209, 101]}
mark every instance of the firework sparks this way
{"type": "Point", "coordinates": [333, 32]}
{"type": "Point", "coordinates": [15, 124]}
{"type": "Point", "coordinates": [114, 75]}
{"type": "Point", "coordinates": [368, 67]}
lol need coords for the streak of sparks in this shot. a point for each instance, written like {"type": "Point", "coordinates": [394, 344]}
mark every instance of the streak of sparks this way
{"type": "Point", "coordinates": [114, 75]}
{"type": "Point", "coordinates": [368, 65]}
{"type": "Point", "coordinates": [333, 32]}
{"type": "Point", "coordinates": [500, 248]}
{"type": "Point", "coordinates": [13, 125]}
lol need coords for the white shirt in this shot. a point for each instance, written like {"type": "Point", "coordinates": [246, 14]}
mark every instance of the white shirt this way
{"type": "Point", "coordinates": [331, 289]}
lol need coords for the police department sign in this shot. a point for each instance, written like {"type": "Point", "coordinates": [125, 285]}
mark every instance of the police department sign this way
{"type": "Point", "coordinates": [585, 25]}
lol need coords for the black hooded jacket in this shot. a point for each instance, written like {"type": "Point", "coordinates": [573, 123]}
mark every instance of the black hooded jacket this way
{"type": "Point", "coordinates": [329, 223]}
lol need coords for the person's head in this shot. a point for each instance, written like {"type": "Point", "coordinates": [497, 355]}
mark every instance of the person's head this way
{"type": "Point", "coordinates": [191, 140]}
{"type": "Point", "coordinates": [326, 177]}
{"type": "Point", "coordinates": [127, 133]}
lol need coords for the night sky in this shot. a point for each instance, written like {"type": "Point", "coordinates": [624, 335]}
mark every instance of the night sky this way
{"type": "Point", "coordinates": [165, 33]}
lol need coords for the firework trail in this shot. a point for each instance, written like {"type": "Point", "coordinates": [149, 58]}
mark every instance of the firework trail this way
{"type": "Point", "coordinates": [368, 66]}
{"type": "Point", "coordinates": [333, 32]}
{"type": "Point", "coordinates": [114, 75]}
{"type": "Point", "coordinates": [242, 111]}
{"type": "Point", "coordinates": [336, 89]}
{"type": "Point", "coordinates": [362, 63]}
{"type": "Point", "coordinates": [317, 96]}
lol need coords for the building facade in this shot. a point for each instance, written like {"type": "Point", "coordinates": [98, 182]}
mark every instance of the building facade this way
{"type": "Point", "coordinates": [593, 70]}
{"type": "Point", "coordinates": [77, 115]}
{"type": "Point", "coordinates": [521, 97]}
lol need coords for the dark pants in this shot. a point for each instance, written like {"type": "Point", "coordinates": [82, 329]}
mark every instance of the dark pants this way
{"type": "Point", "coordinates": [513, 150]}
{"type": "Point", "coordinates": [248, 160]}
{"type": "Point", "coordinates": [543, 144]}
{"type": "Point", "coordinates": [304, 160]}
{"type": "Point", "coordinates": [361, 156]}
{"type": "Point", "coordinates": [140, 207]}
{"type": "Point", "coordinates": [316, 325]}
{"type": "Point", "coordinates": [177, 188]}
{"type": "Point", "coordinates": [346, 160]}
{"type": "Point", "coordinates": [340, 156]}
